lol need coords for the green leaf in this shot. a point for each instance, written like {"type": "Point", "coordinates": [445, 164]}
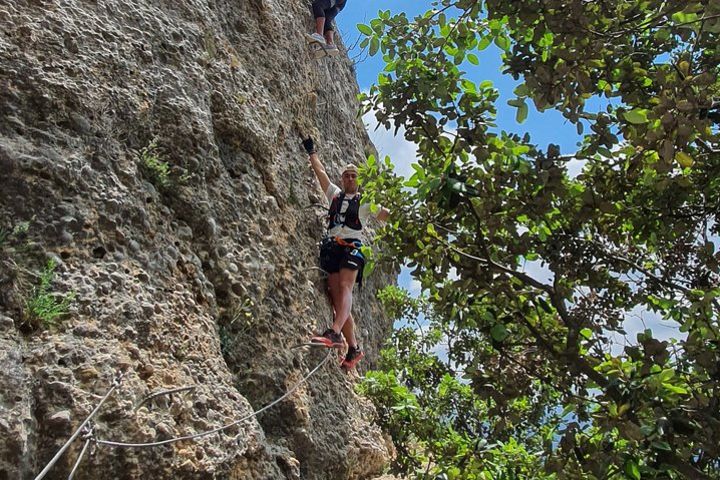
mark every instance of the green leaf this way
{"type": "Point", "coordinates": [674, 389]}
{"type": "Point", "coordinates": [374, 46]}
{"type": "Point", "coordinates": [586, 333]}
{"type": "Point", "coordinates": [636, 116]}
{"type": "Point", "coordinates": [632, 469]}
{"type": "Point", "coordinates": [499, 332]}
{"type": "Point", "coordinates": [472, 58]}
{"type": "Point", "coordinates": [521, 90]}
{"type": "Point", "coordinates": [522, 113]}
{"type": "Point", "coordinates": [469, 86]}
{"type": "Point", "coordinates": [545, 305]}
{"type": "Point", "coordinates": [661, 445]}
{"type": "Point", "coordinates": [484, 43]}
{"type": "Point", "coordinates": [663, 34]}
{"type": "Point", "coordinates": [685, 160]}
{"type": "Point", "coordinates": [364, 29]}
{"type": "Point", "coordinates": [503, 42]}
{"type": "Point", "coordinates": [685, 18]}
{"type": "Point", "coordinates": [413, 181]}
{"type": "Point", "coordinates": [667, 374]}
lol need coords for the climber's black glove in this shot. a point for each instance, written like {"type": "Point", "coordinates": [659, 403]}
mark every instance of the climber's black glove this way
{"type": "Point", "coordinates": [309, 145]}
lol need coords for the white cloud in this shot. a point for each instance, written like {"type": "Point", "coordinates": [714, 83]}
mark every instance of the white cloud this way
{"type": "Point", "coordinates": [538, 270]}
{"type": "Point", "coordinates": [574, 167]}
{"type": "Point", "coordinates": [406, 281]}
{"type": "Point", "coordinates": [401, 152]}
{"type": "Point", "coordinates": [415, 288]}
{"type": "Point", "coordinates": [640, 319]}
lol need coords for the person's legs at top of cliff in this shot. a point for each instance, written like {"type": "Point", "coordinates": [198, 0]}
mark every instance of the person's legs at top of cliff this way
{"type": "Point", "coordinates": [340, 254]}
{"type": "Point", "coordinates": [325, 12]}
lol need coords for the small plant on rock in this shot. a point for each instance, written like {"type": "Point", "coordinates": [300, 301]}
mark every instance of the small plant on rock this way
{"type": "Point", "coordinates": [18, 232]}
{"type": "Point", "coordinates": [154, 166]}
{"type": "Point", "coordinates": [238, 329]}
{"type": "Point", "coordinates": [21, 228]}
{"type": "Point", "coordinates": [44, 307]}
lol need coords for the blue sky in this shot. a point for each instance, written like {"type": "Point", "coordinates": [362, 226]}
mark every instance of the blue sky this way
{"type": "Point", "coordinates": [547, 127]}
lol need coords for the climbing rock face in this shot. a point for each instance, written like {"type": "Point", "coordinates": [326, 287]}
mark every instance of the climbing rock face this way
{"type": "Point", "coordinates": [158, 229]}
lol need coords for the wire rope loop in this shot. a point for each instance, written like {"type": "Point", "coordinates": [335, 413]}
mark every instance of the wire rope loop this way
{"type": "Point", "coordinates": [117, 381]}
{"type": "Point", "coordinates": [111, 443]}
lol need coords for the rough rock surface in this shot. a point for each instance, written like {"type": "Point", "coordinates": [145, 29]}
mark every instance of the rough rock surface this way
{"type": "Point", "coordinates": [151, 150]}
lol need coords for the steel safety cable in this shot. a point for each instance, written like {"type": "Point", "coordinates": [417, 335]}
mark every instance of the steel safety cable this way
{"type": "Point", "coordinates": [111, 443]}
{"type": "Point", "coordinates": [79, 459]}
{"type": "Point", "coordinates": [116, 383]}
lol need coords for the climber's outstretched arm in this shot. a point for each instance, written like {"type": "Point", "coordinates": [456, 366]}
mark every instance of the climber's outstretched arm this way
{"type": "Point", "coordinates": [320, 172]}
{"type": "Point", "coordinates": [317, 167]}
{"type": "Point", "coordinates": [383, 214]}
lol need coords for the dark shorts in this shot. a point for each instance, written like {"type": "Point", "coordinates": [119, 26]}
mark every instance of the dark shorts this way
{"type": "Point", "coordinates": [334, 257]}
{"type": "Point", "coordinates": [322, 8]}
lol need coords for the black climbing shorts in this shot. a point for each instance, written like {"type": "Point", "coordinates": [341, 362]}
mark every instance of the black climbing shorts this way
{"type": "Point", "coordinates": [327, 9]}
{"type": "Point", "coordinates": [334, 257]}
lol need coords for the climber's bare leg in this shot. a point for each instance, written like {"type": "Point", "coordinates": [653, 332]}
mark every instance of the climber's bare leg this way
{"type": "Point", "coordinates": [349, 331]}
{"type": "Point", "coordinates": [330, 36]}
{"type": "Point", "coordinates": [320, 26]}
{"type": "Point", "coordinates": [341, 285]}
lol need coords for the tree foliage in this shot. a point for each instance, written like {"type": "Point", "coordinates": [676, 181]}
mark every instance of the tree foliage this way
{"type": "Point", "coordinates": [532, 362]}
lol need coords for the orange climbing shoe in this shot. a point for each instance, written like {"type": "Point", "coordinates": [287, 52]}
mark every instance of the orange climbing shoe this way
{"type": "Point", "coordinates": [329, 338]}
{"type": "Point", "coordinates": [353, 357]}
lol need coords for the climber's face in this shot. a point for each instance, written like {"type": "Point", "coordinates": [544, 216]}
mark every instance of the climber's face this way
{"type": "Point", "coordinates": [349, 182]}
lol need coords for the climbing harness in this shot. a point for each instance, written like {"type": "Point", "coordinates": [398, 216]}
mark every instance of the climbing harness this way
{"type": "Point", "coordinates": [333, 249]}
{"type": "Point", "coordinates": [344, 243]}
{"type": "Point", "coordinates": [88, 432]}
{"type": "Point", "coordinates": [329, 243]}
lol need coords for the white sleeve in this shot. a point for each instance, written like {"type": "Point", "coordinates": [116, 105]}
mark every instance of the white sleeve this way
{"type": "Point", "coordinates": [332, 190]}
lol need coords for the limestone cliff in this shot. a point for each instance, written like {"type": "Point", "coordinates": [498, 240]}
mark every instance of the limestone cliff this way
{"type": "Point", "coordinates": [150, 149]}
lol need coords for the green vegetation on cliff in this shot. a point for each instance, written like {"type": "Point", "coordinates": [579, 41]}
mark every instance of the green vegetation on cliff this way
{"type": "Point", "coordinates": [531, 379]}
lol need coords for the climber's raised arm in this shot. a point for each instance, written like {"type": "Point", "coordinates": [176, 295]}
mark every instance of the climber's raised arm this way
{"type": "Point", "coordinates": [383, 214]}
{"type": "Point", "coordinates": [317, 167]}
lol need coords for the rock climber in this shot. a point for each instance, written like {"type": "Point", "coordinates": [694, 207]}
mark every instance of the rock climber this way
{"type": "Point", "coordinates": [340, 254]}
{"type": "Point", "coordinates": [324, 12]}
